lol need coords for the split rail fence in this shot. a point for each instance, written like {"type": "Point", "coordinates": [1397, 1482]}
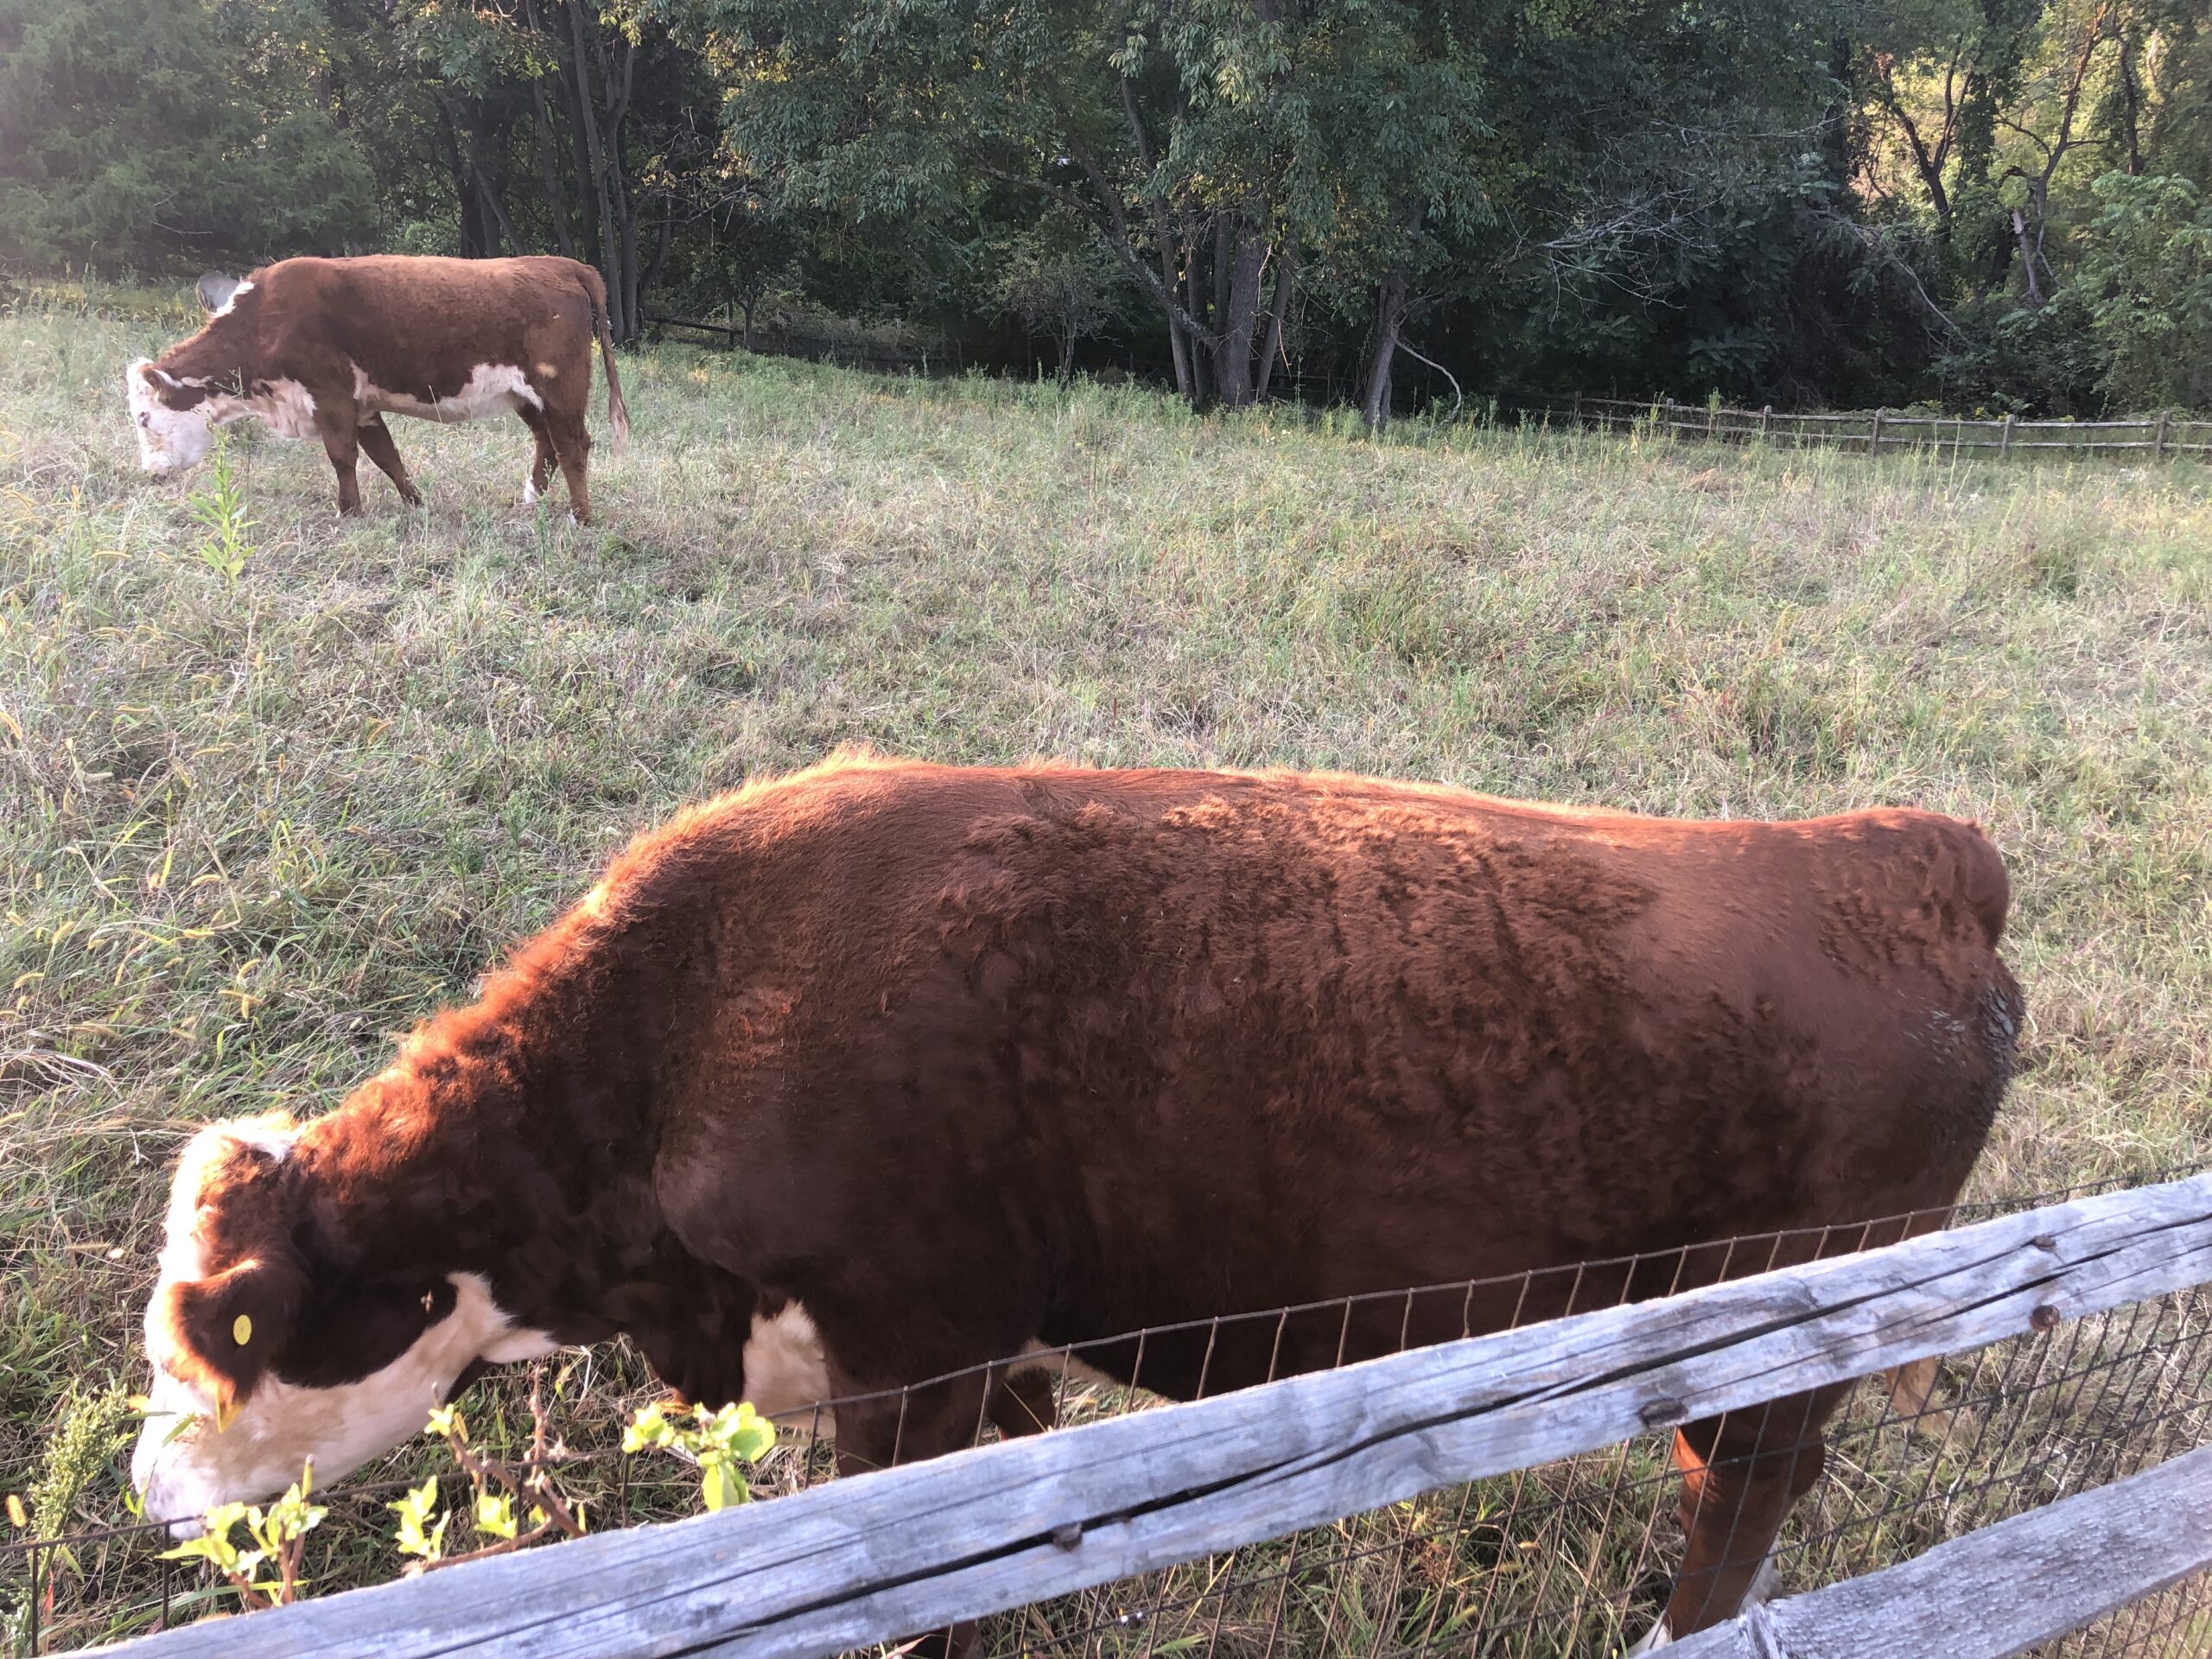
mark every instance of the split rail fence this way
{"type": "Point", "coordinates": [2163, 437]}
{"type": "Point", "coordinates": [2041, 1473]}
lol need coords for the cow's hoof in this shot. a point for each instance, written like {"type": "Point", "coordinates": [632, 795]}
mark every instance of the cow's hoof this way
{"type": "Point", "coordinates": [1653, 1639]}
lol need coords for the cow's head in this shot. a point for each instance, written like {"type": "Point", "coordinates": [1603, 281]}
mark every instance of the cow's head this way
{"type": "Point", "coordinates": [267, 1351]}
{"type": "Point", "coordinates": [173, 418]}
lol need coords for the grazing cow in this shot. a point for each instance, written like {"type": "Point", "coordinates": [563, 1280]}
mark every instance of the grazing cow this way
{"type": "Point", "coordinates": [886, 1070]}
{"type": "Point", "coordinates": [327, 347]}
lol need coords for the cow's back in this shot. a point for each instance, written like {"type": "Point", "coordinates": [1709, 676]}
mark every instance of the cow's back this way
{"type": "Point", "coordinates": [419, 324]}
{"type": "Point", "coordinates": [1113, 1050]}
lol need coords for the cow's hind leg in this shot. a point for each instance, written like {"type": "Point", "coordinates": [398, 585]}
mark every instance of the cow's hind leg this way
{"type": "Point", "coordinates": [541, 462]}
{"type": "Point", "coordinates": [572, 449]}
{"type": "Point", "coordinates": [376, 438]}
{"type": "Point", "coordinates": [341, 442]}
{"type": "Point", "coordinates": [1741, 1473]}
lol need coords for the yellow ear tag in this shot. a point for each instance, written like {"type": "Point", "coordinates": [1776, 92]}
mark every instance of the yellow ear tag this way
{"type": "Point", "coordinates": [242, 1330]}
{"type": "Point", "coordinates": [225, 1411]}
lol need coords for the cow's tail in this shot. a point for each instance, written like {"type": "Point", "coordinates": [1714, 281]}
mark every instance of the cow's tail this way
{"type": "Point", "coordinates": [618, 412]}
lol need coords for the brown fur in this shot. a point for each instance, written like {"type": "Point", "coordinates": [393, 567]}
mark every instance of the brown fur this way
{"type": "Point", "coordinates": [963, 1059]}
{"type": "Point", "coordinates": [414, 326]}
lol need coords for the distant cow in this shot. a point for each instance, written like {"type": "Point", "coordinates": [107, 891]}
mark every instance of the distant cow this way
{"type": "Point", "coordinates": [327, 347]}
{"type": "Point", "coordinates": [884, 1070]}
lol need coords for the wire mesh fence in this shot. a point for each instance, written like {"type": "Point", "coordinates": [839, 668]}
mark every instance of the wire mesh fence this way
{"type": "Point", "coordinates": [2161, 437]}
{"type": "Point", "coordinates": [1573, 1558]}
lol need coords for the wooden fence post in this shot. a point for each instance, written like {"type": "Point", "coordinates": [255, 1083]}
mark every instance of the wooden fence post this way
{"type": "Point", "coordinates": [1667, 416]}
{"type": "Point", "coordinates": [1874, 433]}
{"type": "Point", "coordinates": [1712, 420]}
{"type": "Point", "coordinates": [1577, 411]}
{"type": "Point", "coordinates": [1766, 421]}
{"type": "Point", "coordinates": [2158, 443]}
{"type": "Point", "coordinates": [2005, 442]}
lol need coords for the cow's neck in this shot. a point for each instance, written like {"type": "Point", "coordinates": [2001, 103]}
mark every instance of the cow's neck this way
{"type": "Point", "coordinates": [215, 356]}
{"type": "Point", "coordinates": [513, 1139]}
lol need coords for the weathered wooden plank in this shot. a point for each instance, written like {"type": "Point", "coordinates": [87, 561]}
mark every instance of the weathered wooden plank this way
{"type": "Point", "coordinates": [1996, 1591]}
{"type": "Point", "coordinates": [867, 1559]}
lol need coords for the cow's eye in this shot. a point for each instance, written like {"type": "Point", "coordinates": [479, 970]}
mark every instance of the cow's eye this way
{"type": "Point", "coordinates": [145, 419]}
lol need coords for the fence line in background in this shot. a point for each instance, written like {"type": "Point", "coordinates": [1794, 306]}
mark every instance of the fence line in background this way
{"type": "Point", "coordinates": [870, 1558]}
{"type": "Point", "coordinates": [1872, 430]}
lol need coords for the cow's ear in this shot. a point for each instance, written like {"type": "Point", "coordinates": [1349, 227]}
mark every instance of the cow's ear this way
{"type": "Point", "coordinates": [221, 1334]}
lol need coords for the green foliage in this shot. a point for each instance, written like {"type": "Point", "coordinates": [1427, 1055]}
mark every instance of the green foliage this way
{"type": "Point", "coordinates": [720, 1442]}
{"type": "Point", "coordinates": [92, 1426]}
{"type": "Point", "coordinates": [273, 1536]}
{"type": "Point", "coordinates": [138, 136]}
{"type": "Point", "coordinates": [1056, 278]}
{"type": "Point", "coordinates": [422, 1523]}
{"type": "Point", "coordinates": [221, 507]}
{"type": "Point", "coordinates": [2146, 273]}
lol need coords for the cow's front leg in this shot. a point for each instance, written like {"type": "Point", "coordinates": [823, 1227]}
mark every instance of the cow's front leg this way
{"type": "Point", "coordinates": [376, 438]}
{"type": "Point", "coordinates": [908, 1426]}
{"type": "Point", "coordinates": [1741, 1473]}
{"type": "Point", "coordinates": [340, 429]}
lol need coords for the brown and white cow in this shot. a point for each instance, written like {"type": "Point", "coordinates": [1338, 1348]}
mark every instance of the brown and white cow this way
{"type": "Point", "coordinates": [884, 1070]}
{"type": "Point", "coordinates": [326, 348]}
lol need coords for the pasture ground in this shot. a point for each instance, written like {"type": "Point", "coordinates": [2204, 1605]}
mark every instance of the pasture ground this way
{"type": "Point", "coordinates": [251, 829]}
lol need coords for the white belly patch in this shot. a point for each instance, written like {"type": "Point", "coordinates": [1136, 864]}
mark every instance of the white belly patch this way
{"type": "Point", "coordinates": [493, 389]}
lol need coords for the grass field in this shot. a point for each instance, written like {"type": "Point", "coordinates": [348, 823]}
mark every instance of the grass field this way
{"type": "Point", "coordinates": [249, 829]}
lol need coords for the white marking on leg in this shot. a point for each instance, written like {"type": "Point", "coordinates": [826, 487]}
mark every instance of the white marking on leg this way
{"type": "Point", "coordinates": [1653, 1639]}
{"type": "Point", "coordinates": [1766, 1583]}
{"type": "Point", "coordinates": [529, 488]}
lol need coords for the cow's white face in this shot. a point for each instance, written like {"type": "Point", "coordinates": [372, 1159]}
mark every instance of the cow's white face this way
{"type": "Point", "coordinates": [262, 1362]}
{"type": "Point", "coordinates": [169, 440]}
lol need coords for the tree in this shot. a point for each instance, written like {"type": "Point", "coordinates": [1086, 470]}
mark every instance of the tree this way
{"type": "Point", "coordinates": [1209, 144]}
{"type": "Point", "coordinates": [143, 137]}
{"type": "Point", "coordinates": [2147, 275]}
{"type": "Point", "coordinates": [1057, 280]}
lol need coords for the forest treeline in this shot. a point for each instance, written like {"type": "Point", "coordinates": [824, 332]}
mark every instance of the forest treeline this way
{"type": "Point", "coordinates": [1999, 205]}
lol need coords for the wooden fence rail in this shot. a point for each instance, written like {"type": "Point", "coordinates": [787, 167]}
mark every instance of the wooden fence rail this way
{"type": "Point", "coordinates": [871, 1558]}
{"type": "Point", "coordinates": [2162, 437]}
{"type": "Point", "coordinates": [2001, 1590]}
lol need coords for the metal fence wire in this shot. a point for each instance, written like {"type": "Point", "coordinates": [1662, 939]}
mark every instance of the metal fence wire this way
{"type": "Point", "coordinates": [2161, 437]}
{"type": "Point", "coordinates": [1561, 1561]}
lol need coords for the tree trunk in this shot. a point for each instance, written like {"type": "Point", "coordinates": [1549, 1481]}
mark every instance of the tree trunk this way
{"type": "Point", "coordinates": [493, 232]}
{"type": "Point", "coordinates": [1178, 340]}
{"type": "Point", "coordinates": [2027, 256]}
{"type": "Point", "coordinates": [1390, 317]}
{"type": "Point", "coordinates": [605, 252]}
{"type": "Point", "coordinates": [1286, 275]}
{"type": "Point", "coordinates": [1241, 318]}
{"type": "Point", "coordinates": [624, 208]}
{"type": "Point", "coordinates": [2131, 93]}
{"type": "Point", "coordinates": [556, 198]}
{"type": "Point", "coordinates": [556, 195]}
{"type": "Point", "coordinates": [651, 278]}
{"type": "Point", "coordinates": [1194, 287]}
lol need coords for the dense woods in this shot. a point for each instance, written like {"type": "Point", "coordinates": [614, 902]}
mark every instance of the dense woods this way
{"type": "Point", "coordinates": [1995, 205]}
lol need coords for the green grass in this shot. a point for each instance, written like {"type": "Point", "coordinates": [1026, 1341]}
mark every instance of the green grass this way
{"type": "Point", "coordinates": [251, 830]}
